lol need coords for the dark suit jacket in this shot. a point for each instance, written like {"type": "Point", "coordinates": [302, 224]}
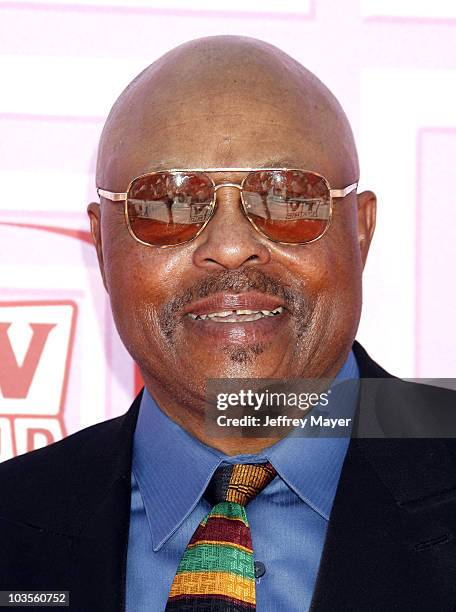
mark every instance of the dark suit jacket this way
{"type": "Point", "coordinates": [64, 515]}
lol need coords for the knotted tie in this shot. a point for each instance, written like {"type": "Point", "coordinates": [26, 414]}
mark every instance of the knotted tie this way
{"type": "Point", "coordinates": [216, 572]}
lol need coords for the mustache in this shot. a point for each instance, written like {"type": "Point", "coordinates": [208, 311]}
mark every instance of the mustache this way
{"type": "Point", "coordinates": [237, 281]}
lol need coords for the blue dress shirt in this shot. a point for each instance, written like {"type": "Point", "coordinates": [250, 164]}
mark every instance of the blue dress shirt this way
{"type": "Point", "coordinates": [288, 519]}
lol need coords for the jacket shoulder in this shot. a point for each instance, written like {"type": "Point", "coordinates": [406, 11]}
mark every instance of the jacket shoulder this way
{"type": "Point", "coordinates": [76, 447]}
{"type": "Point", "coordinates": [67, 475]}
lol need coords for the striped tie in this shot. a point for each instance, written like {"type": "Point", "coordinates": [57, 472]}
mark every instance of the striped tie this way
{"type": "Point", "coordinates": [216, 572]}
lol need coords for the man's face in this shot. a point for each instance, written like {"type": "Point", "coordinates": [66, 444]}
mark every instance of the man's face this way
{"type": "Point", "coordinates": [156, 292]}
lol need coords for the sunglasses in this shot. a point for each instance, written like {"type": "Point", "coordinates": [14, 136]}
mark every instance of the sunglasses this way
{"type": "Point", "coordinates": [171, 207]}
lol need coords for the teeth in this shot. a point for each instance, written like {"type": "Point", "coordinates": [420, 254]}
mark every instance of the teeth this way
{"type": "Point", "coordinates": [252, 317]}
{"type": "Point", "coordinates": [223, 313]}
{"type": "Point", "coordinates": [231, 316]}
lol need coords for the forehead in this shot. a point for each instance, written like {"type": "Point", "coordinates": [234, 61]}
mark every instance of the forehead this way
{"type": "Point", "coordinates": [240, 141]}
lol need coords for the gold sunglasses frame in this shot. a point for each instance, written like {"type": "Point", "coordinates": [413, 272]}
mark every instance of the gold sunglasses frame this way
{"type": "Point", "coordinates": [122, 197]}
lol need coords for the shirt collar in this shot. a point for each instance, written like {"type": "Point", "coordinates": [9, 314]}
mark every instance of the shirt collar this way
{"type": "Point", "coordinates": [163, 451]}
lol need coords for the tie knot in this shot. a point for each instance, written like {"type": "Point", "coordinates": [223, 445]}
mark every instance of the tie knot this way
{"type": "Point", "coordinates": [239, 483]}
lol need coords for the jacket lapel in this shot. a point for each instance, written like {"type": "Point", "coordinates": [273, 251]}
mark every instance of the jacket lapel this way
{"type": "Point", "coordinates": [100, 550]}
{"type": "Point", "coordinates": [390, 543]}
{"type": "Point", "coordinates": [98, 572]}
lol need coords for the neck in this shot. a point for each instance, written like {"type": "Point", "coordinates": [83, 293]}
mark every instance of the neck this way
{"type": "Point", "coordinates": [189, 415]}
{"type": "Point", "coordinates": [194, 423]}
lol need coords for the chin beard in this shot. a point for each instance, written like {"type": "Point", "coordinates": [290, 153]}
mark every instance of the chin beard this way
{"type": "Point", "coordinates": [244, 354]}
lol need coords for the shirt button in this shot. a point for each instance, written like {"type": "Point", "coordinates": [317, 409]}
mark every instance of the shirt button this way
{"type": "Point", "coordinates": [259, 568]}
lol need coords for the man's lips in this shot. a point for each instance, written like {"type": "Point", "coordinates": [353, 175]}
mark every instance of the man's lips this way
{"type": "Point", "coordinates": [226, 305]}
{"type": "Point", "coordinates": [237, 319]}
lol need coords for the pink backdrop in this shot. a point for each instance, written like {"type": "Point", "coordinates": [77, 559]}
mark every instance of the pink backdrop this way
{"type": "Point", "coordinates": [393, 66]}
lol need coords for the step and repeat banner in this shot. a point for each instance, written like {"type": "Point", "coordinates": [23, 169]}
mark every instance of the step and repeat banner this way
{"type": "Point", "coordinates": [391, 64]}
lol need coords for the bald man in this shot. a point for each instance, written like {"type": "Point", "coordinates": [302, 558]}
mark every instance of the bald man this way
{"type": "Point", "coordinates": [231, 241]}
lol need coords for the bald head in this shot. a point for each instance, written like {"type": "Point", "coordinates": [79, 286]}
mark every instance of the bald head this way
{"type": "Point", "coordinates": [225, 101]}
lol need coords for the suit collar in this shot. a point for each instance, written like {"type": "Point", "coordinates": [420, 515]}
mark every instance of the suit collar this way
{"type": "Point", "coordinates": [368, 368]}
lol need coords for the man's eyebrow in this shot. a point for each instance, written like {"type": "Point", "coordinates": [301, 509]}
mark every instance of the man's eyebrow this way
{"type": "Point", "coordinates": [268, 163]}
{"type": "Point", "coordinates": [278, 163]}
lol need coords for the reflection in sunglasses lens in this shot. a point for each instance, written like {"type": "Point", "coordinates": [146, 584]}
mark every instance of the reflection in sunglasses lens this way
{"type": "Point", "coordinates": [290, 206]}
{"type": "Point", "coordinates": [169, 208]}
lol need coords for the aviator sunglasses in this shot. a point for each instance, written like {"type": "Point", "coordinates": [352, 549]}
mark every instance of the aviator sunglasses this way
{"type": "Point", "coordinates": [172, 207]}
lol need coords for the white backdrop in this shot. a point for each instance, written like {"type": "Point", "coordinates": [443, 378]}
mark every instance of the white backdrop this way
{"type": "Point", "coordinates": [392, 64]}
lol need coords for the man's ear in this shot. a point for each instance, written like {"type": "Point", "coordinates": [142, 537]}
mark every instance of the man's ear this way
{"type": "Point", "coordinates": [367, 212]}
{"type": "Point", "coordinates": [94, 212]}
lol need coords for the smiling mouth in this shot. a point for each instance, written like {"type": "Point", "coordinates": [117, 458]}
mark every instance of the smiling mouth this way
{"type": "Point", "coordinates": [239, 315]}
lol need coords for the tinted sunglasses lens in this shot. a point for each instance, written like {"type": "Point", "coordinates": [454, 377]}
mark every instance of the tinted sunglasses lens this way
{"type": "Point", "coordinates": [166, 209]}
{"type": "Point", "coordinates": [287, 205]}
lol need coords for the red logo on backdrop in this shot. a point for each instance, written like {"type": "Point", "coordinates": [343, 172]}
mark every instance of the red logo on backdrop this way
{"type": "Point", "coordinates": [36, 344]}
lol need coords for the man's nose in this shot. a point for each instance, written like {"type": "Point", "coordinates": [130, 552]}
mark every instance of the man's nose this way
{"type": "Point", "coordinates": [229, 240]}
